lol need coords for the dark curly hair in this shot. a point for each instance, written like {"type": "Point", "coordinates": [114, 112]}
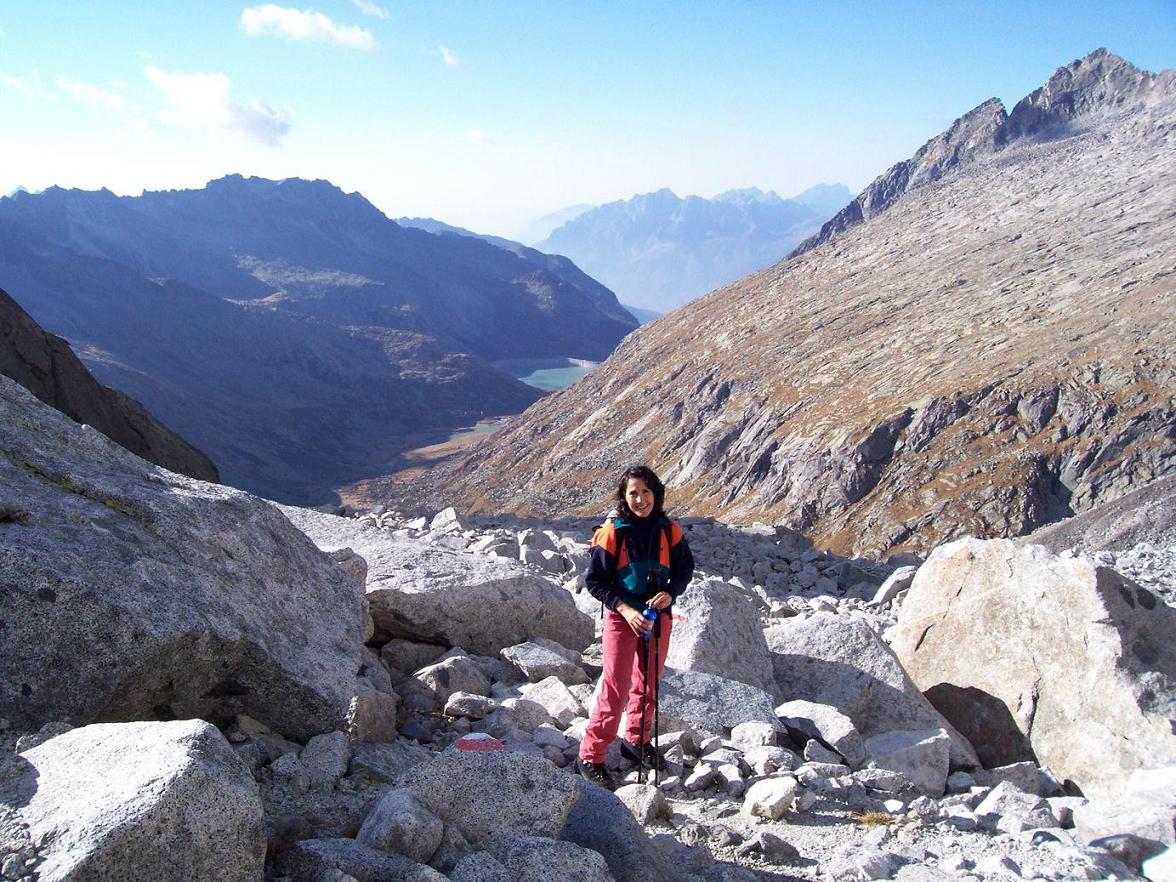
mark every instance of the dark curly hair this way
{"type": "Point", "coordinates": [652, 481]}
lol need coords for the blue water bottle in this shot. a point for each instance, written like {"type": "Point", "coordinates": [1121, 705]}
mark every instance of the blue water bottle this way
{"type": "Point", "coordinates": [650, 615]}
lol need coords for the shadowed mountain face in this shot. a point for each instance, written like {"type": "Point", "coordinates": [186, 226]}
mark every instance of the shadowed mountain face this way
{"type": "Point", "coordinates": [288, 329]}
{"type": "Point", "coordinates": [47, 367]}
{"type": "Point", "coordinates": [657, 251]}
{"type": "Point", "coordinates": [991, 352]}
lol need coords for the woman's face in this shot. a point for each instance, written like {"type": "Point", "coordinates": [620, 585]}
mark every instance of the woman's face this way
{"type": "Point", "coordinates": [639, 497]}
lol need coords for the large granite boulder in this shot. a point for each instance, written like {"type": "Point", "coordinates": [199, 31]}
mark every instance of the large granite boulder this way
{"type": "Point", "coordinates": [717, 631]}
{"type": "Point", "coordinates": [599, 820]}
{"type": "Point", "coordinates": [710, 703]}
{"type": "Point", "coordinates": [423, 592]}
{"type": "Point", "coordinates": [491, 794]}
{"type": "Point", "coordinates": [1050, 655]}
{"type": "Point", "coordinates": [841, 661]}
{"type": "Point", "coordinates": [137, 802]}
{"type": "Point", "coordinates": [130, 592]}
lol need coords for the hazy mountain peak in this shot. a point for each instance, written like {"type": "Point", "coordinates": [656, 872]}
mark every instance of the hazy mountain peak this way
{"type": "Point", "coordinates": [657, 250]}
{"type": "Point", "coordinates": [749, 195]}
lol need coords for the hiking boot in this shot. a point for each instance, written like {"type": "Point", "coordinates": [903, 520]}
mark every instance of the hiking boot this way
{"type": "Point", "coordinates": [596, 773]}
{"type": "Point", "coordinates": [644, 755]}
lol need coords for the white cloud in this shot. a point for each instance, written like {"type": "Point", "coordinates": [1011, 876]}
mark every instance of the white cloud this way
{"type": "Point", "coordinates": [303, 25]}
{"type": "Point", "coordinates": [24, 86]}
{"type": "Point", "coordinates": [477, 136]}
{"type": "Point", "coordinates": [369, 8]}
{"type": "Point", "coordinates": [449, 56]}
{"type": "Point", "coordinates": [91, 95]}
{"type": "Point", "coordinates": [201, 100]}
{"type": "Point", "coordinates": [260, 122]}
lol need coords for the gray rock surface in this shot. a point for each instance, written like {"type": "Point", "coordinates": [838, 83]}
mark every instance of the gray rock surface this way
{"type": "Point", "coordinates": [719, 632]}
{"type": "Point", "coordinates": [326, 758]}
{"type": "Point", "coordinates": [424, 593]}
{"type": "Point", "coordinates": [601, 822]}
{"type": "Point", "coordinates": [137, 802]}
{"type": "Point", "coordinates": [454, 674]}
{"type": "Point", "coordinates": [139, 593]}
{"type": "Point", "coordinates": [402, 823]}
{"type": "Point", "coordinates": [1144, 515]}
{"type": "Point", "coordinates": [338, 860]}
{"type": "Point", "coordinates": [487, 795]}
{"type": "Point", "coordinates": [481, 866]}
{"type": "Point", "coordinates": [921, 757]}
{"type": "Point", "coordinates": [840, 661]}
{"type": "Point", "coordinates": [1146, 807]}
{"type": "Point", "coordinates": [827, 723]}
{"type": "Point", "coordinates": [1025, 687]}
{"type": "Point", "coordinates": [540, 859]}
{"type": "Point", "coordinates": [710, 703]}
{"type": "Point", "coordinates": [537, 662]}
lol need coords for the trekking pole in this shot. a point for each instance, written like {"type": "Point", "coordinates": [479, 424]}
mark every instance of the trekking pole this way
{"type": "Point", "coordinates": [644, 696]}
{"type": "Point", "coordinates": [656, 690]}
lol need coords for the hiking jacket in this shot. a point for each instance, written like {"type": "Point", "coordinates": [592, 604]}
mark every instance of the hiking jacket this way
{"type": "Point", "coordinates": [620, 570]}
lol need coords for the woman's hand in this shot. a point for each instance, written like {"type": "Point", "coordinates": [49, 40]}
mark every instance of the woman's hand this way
{"type": "Point", "coordinates": [640, 625]}
{"type": "Point", "coordinates": [660, 600]}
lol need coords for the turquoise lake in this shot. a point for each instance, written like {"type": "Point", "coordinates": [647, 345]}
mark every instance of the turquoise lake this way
{"type": "Point", "coordinates": [549, 374]}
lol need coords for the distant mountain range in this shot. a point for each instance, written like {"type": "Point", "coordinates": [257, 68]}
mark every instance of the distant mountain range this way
{"type": "Point", "coordinates": [289, 330]}
{"type": "Point", "coordinates": [540, 228]}
{"type": "Point", "coordinates": [990, 346]}
{"type": "Point", "coordinates": [658, 251]}
{"type": "Point", "coordinates": [554, 262]}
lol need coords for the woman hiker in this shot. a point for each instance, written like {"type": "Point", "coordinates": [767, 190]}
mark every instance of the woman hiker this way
{"type": "Point", "coordinates": [639, 560]}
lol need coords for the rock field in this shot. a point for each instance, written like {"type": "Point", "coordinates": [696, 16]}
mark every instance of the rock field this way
{"type": "Point", "coordinates": [796, 744]}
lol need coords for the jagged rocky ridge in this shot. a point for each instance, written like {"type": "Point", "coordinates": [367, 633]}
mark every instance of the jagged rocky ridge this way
{"type": "Point", "coordinates": [991, 353]}
{"type": "Point", "coordinates": [291, 331]}
{"type": "Point", "coordinates": [47, 367]}
{"type": "Point", "coordinates": [1098, 82]}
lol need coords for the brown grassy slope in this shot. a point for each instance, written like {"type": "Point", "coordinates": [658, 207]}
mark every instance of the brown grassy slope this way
{"type": "Point", "coordinates": [991, 353]}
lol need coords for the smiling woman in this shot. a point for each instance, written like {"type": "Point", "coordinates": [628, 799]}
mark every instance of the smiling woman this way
{"type": "Point", "coordinates": [640, 563]}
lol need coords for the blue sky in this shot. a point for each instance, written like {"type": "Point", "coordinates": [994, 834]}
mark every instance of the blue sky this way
{"type": "Point", "coordinates": [488, 114]}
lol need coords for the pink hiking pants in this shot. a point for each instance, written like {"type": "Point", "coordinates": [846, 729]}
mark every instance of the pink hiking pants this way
{"type": "Point", "coordinates": [626, 657]}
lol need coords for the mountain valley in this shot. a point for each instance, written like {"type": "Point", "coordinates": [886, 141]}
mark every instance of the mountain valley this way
{"type": "Point", "coordinates": [289, 330]}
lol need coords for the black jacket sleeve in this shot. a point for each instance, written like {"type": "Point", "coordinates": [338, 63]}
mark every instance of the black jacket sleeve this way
{"type": "Point", "coordinates": [681, 567]}
{"type": "Point", "coordinates": [601, 576]}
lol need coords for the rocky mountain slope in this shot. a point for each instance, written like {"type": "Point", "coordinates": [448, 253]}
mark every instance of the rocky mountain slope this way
{"type": "Point", "coordinates": [47, 367]}
{"type": "Point", "coordinates": [288, 329]}
{"type": "Point", "coordinates": [992, 352]}
{"type": "Point", "coordinates": [658, 251]}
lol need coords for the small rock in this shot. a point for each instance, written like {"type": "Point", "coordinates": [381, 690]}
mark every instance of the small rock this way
{"type": "Point", "coordinates": [645, 802]}
{"type": "Point", "coordinates": [773, 849]}
{"type": "Point", "coordinates": [770, 797]}
{"type": "Point", "coordinates": [326, 757]}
